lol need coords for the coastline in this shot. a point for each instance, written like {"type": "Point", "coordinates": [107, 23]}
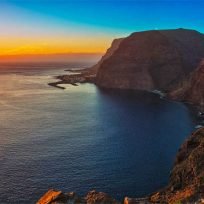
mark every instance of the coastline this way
{"type": "Point", "coordinates": [86, 75]}
{"type": "Point", "coordinates": [178, 191]}
{"type": "Point", "coordinates": [168, 194]}
{"type": "Point", "coordinates": [79, 76]}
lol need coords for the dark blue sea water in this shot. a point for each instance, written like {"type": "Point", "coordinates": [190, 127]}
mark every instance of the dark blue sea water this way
{"type": "Point", "coordinates": [83, 138]}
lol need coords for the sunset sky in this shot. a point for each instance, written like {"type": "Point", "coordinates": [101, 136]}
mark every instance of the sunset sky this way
{"type": "Point", "coordinates": [30, 27]}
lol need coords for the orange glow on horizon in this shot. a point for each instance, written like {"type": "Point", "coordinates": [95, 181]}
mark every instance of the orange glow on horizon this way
{"type": "Point", "coordinates": [68, 45]}
{"type": "Point", "coordinates": [79, 57]}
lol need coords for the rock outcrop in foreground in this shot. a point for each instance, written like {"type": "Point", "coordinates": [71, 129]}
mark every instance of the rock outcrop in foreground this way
{"type": "Point", "coordinates": [186, 184]}
{"type": "Point", "coordinates": [151, 60]}
{"type": "Point", "coordinates": [93, 197]}
{"type": "Point", "coordinates": [192, 89]}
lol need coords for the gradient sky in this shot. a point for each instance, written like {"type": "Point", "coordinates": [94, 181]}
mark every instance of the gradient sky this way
{"type": "Point", "coordinates": [87, 26]}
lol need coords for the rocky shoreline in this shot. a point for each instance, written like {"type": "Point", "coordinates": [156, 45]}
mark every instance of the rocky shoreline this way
{"type": "Point", "coordinates": [88, 76]}
{"type": "Point", "coordinates": [81, 76]}
{"type": "Point", "coordinates": [186, 183]}
{"type": "Point", "coordinates": [92, 197]}
{"type": "Point", "coordinates": [167, 61]}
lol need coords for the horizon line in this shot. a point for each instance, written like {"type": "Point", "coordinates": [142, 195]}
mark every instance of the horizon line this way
{"type": "Point", "coordinates": [44, 54]}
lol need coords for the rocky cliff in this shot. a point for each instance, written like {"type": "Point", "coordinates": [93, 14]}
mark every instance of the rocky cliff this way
{"type": "Point", "coordinates": [114, 46]}
{"type": "Point", "coordinates": [151, 60]}
{"type": "Point", "coordinates": [186, 183]}
{"type": "Point", "coordinates": [87, 75]}
{"type": "Point", "coordinates": [192, 89]}
{"type": "Point", "coordinates": [164, 60]}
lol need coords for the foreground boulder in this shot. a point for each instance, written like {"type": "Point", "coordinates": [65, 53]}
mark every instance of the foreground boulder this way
{"type": "Point", "coordinates": [151, 60]}
{"type": "Point", "coordinates": [53, 196]}
{"type": "Point", "coordinates": [93, 197]}
{"type": "Point", "coordinates": [128, 200]}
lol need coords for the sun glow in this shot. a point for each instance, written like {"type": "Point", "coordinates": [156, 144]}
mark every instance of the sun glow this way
{"type": "Point", "coordinates": [36, 27]}
{"type": "Point", "coordinates": [16, 46]}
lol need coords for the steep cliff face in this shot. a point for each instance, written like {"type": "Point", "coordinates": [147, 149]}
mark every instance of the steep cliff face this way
{"type": "Point", "coordinates": [192, 89]}
{"type": "Point", "coordinates": [186, 183]}
{"type": "Point", "coordinates": [114, 46]}
{"type": "Point", "coordinates": [152, 60]}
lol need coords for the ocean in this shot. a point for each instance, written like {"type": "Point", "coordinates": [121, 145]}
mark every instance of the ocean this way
{"type": "Point", "coordinates": [83, 138]}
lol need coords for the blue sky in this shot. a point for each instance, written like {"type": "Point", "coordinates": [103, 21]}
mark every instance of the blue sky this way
{"type": "Point", "coordinates": [119, 14]}
{"type": "Point", "coordinates": [99, 19]}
